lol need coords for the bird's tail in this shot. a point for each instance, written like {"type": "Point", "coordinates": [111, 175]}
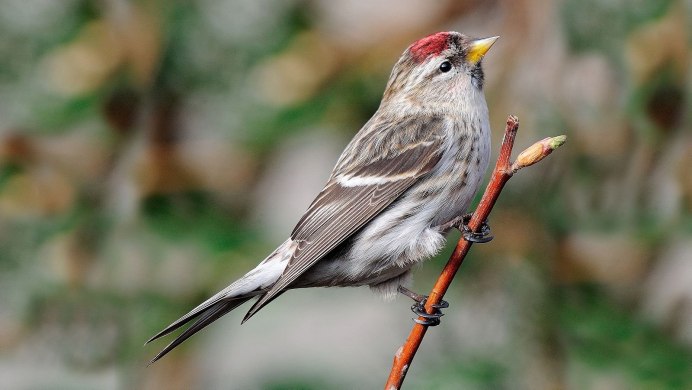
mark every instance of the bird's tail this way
{"type": "Point", "coordinates": [202, 318]}
{"type": "Point", "coordinates": [254, 283]}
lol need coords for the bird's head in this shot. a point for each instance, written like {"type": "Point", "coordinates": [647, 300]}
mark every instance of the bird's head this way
{"type": "Point", "coordinates": [439, 68]}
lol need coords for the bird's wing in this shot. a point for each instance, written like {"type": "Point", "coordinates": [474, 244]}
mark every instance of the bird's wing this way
{"type": "Point", "coordinates": [359, 189]}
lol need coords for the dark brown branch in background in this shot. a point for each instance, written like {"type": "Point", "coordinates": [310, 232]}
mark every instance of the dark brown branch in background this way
{"type": "Point", "coordinates": [501, 174]}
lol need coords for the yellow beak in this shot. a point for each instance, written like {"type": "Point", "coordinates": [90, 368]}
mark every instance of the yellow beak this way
{"type": "Point", "coordinates": [478, 48]}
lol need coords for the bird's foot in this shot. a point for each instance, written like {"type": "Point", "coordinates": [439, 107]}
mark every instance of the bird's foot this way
{"type": "Point", "coordinates": [476, 237]}
{"type": "Point", "coordinates": [428, 319]}
{"type": "Point", "coordinates": [461, 223]}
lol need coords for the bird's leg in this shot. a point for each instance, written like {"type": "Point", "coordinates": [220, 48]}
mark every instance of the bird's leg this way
{"type": "Point", "coordinates": [461, 223]}
{"type": "Point", "coordinates": [419, 308]}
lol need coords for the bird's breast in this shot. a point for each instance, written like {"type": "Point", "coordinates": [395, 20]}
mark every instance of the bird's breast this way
{"type": "Point", "coordinates": [460, 172]}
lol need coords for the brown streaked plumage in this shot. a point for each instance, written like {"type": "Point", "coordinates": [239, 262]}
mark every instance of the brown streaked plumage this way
{"type": "Point", "coordinates": [412, 168]}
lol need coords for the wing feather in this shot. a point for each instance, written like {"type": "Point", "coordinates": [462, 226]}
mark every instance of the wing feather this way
{"type": "Point", "coordinates": [354, 195]}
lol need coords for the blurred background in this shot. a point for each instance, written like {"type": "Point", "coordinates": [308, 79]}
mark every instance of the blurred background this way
{"type": "Point", "coordinates": [153, 151]}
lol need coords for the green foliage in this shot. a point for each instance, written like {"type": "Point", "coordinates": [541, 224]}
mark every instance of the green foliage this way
{"type": "Point", "coordinates": [470, 374]}
{"type": "Point", "coordinates": [194, 216]}
{"type": "Point", "coordinates": [607, 338]}
{"type": "Point", "coordinates": [603, 25]}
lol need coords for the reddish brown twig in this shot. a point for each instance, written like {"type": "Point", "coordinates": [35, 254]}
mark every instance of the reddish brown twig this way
{"type": "Point", "coordinates": [502, 172]}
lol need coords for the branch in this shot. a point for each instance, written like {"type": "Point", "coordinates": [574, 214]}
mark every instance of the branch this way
{"type": "Point", "coordinates": [501, 174]}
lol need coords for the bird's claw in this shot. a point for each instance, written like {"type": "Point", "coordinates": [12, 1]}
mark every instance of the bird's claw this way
{"type": "Point", "coordinates": [442, 305]}
{"type": "Point", "coordinates": [476, 237]}
{"type": "Point", "coordinates": [427, 322]}
{"type": "Point", "coordinates": [425, 318]}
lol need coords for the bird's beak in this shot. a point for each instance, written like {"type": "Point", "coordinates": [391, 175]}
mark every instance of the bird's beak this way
{"type": "Point", "coordinates": [478, 48]}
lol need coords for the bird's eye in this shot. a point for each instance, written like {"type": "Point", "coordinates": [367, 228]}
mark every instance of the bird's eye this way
{"type": "Point", "coordinates": [445, 67]}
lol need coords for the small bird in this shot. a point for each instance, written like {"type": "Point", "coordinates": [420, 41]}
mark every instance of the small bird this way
{"type": "Point", "coordinates": [401, 184]}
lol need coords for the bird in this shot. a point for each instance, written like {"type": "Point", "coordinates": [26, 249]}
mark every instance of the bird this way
{"type": "Point", "coordinates": [400, 185]}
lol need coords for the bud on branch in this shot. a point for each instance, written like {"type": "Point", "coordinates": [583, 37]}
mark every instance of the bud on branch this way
{"type": "Point", "coordinates": [537, 152]}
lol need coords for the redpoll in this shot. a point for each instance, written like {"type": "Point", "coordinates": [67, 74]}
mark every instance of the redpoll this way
{"type": "Point", "coordinates": [399, 186]}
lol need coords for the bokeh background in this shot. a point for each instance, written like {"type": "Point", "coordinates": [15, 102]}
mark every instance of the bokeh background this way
{"type": "Point", "coordinates": [153, 151]}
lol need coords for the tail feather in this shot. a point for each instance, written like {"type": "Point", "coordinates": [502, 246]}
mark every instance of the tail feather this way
{"type": "Point", "coordinates": [255, 282]}
{"type": "Point", "coordinates": [260, 303]}
{"type": "Point", "coordinates": [206, 317]}
{"type": "Point", "coordinates": [175, 325]}
{"type": "Point", "coordinates": [194, 313]}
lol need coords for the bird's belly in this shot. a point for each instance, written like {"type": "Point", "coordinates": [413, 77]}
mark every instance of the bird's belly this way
{"type": "Point", "coordinates": [386, 247]}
